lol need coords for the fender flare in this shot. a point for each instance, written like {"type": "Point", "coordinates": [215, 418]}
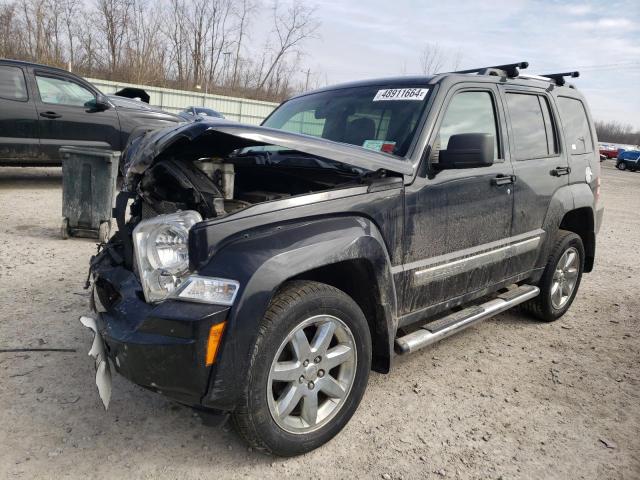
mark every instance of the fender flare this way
{"type": "Point", "coordinates": [563, 201]}
{"type": "Point", "coordinates": [266, 257]}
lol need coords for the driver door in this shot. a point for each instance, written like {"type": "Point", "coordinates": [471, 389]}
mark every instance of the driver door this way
{"type": "Point", "coordinates": [66, 117]}
{"type": "Point", "coordinates": [458, 220]}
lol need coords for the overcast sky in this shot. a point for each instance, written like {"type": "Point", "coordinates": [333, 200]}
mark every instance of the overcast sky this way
{"type": "Point", "coordinates": [372, 38]}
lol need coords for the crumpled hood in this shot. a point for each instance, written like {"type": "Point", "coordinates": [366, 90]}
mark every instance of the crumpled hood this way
{"type": "Point", "coordinates": [220, 137]}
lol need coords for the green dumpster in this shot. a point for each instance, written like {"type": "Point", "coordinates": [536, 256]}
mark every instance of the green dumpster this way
{"type": "Point", "coordinates": [88, 187]}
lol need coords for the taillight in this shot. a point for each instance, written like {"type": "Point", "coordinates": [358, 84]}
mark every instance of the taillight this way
{"type": "Point", "coordinates": [597, 192]}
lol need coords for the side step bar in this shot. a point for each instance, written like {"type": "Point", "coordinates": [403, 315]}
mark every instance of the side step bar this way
{"type": "Point", "coordinates": [437, 330]}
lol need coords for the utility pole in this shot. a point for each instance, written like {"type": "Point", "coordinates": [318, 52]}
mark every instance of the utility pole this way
{"type": "Point", "coordinates": [306, 83]}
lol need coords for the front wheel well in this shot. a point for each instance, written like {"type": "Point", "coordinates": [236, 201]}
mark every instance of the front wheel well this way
{"type": "Point", "coordinates": [580, 221]}
{"type": "Point", "coordinates": [357, 279]}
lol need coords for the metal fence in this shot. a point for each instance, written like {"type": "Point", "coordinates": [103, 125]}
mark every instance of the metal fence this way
{"type": "Point", "coordinates": [238, 109]}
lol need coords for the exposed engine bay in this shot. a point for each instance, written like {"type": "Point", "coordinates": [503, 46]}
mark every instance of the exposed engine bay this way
{"type": "Point", "coordinates": [216, 187]}
{"type": "Point", "coordinates": [217, 168]}
{"type": "Point", "coordinates": [179, 176]}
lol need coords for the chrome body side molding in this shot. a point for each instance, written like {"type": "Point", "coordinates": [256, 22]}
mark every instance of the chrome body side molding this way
{"type": "Point", "coordinates": [469, 259]}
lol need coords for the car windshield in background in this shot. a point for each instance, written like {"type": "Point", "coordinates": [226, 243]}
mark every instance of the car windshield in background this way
{"type": "Point", "coordinates": [376, 118]}
{"type": "Point", "coordinates": [207, 112]}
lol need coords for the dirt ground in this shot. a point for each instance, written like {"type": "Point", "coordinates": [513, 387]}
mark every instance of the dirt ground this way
{"type": "Point", "coordinates": [510, 398]}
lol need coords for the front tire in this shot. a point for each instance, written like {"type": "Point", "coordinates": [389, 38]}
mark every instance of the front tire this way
{"type": "Point", "coordinates": [560, 279]}
{"type": "Point", "coordinates": [621, 166]}
{"type": "Point", "coordinates": [308, 370]}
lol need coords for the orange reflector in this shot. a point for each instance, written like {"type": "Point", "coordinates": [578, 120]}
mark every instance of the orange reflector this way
{"type": "Point", "coordinates": [215, 334]}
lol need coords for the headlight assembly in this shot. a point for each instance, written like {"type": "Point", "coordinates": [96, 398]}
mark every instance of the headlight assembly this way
{"type": "Point", "coordinates": [162, 252]}
{"type": "Point", "coordinates": [218, 291]}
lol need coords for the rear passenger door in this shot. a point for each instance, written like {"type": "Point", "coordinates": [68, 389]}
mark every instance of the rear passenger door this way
{"type": "Point", "coordinates": [18, 118]}
{"type": "Point", "coordinates": [540, 166]}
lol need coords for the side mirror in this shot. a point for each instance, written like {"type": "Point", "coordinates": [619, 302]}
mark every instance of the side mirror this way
{"type": "Point", "coordinates": [468, 150]}
{"type": "Point", "coordinates": [99, 104]}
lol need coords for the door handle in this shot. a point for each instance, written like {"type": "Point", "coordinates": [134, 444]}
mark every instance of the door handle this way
{"type": "Point", "coordinates": [559, 171]}
{"type": "Point", "coordinates": [503, 179]}
{"type": "Point", "coordinates": [51, 115]}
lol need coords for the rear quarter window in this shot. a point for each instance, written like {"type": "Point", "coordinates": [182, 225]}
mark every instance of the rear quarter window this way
{"type": "Point", "coordinates": [576, 125]}
{"type": "Point", "coordinates": [12, 84]}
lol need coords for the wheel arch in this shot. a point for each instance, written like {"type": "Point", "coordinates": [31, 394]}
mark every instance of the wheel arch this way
{"type": "Point", "coordinates": [581, 222]}
{"type": "Point", "coordinates": [571, 208]}
{"type": "Point", "coordinates": [357, 278]}
{"type": "Point", "coordinates": [263, 261]}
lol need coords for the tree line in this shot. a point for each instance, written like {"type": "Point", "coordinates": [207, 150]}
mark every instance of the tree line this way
{"type": "Point", "coordinates": [616, 132]}
{"type": "Point", "coordinates": [211, 45]}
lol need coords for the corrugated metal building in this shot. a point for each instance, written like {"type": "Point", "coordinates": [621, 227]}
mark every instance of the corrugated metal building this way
{"type": "Point", "coordinates": [238, 109]}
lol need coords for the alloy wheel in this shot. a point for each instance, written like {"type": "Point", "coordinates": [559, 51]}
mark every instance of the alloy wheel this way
{"type": "Point", "coordinates": [565, 278]}
{"type": "Point", "coordinates": [312, 374]}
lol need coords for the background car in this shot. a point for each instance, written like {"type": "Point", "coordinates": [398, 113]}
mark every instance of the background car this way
{"type": "Point", "coordinates": [629, 160]}
{"type": "Point", "coordinates": [191, 113]}
{"type": "Point", "coordinates": [609, 151]}
{"type": "Point", "coordinates": [43, 108]}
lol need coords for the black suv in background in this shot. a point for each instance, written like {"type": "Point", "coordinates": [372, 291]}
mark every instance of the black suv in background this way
{"type": "Point", "coordinates": [43, 108]}
{"type": "Point", "coordinates": [264, 271]}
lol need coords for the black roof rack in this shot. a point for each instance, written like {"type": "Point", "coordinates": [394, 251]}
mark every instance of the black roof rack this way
{"type": "Point", "coordinates": [508, 70]}
{"type": "Point", "coordinates": [558, 78]}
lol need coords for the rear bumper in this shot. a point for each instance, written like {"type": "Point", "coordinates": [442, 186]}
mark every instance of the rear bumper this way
{"type": "Point", "coordinates": [159, 347]}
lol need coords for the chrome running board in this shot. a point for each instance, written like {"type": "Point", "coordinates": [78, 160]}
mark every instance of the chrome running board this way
{"type": "Point", "coordinates": [437, 330]}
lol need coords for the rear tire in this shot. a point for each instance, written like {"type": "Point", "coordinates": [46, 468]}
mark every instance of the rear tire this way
{"type": "Point", "coordinates": [290, 404]}
{"type": "Point", "coordinates": [560, 279]}
{"type": "Point", "coordinates": [621, 166]}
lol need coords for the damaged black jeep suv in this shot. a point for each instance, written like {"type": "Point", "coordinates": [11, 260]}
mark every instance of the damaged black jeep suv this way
{"type": "Point", "coordinates": [262, 272]}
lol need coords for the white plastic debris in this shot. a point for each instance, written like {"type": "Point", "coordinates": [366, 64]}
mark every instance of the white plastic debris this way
{"type": "Point", "coordinates": [103, 370]}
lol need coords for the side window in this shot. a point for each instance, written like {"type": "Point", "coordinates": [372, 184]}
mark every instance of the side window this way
{"type": "Point", "coordinates": [12, 84]}
{"type": "Point", "coordinates": [576, 125]}
{"type": "Point", "coordinates": [468, 112]}
{"type": "Point", "coordinates": [531, 124]}
{"type": "Point", "coordinates": [60, 91]}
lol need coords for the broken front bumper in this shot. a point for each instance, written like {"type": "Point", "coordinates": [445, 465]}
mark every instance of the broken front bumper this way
{"type": "Point", "coordinates": [159, 347]}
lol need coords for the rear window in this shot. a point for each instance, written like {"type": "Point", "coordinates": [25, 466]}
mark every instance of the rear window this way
{"type": "Point", "coordinates": [576, 125]}
{"type": "Point", "coordinates": [533, 134]}
{"type": "Point", "coordinates": [12, 84]}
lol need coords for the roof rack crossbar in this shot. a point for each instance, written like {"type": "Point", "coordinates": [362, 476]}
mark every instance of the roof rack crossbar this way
{"type": "Point", "coordinates": [559, 79]}
{"type": "Point", "coordinates": [509, 69]}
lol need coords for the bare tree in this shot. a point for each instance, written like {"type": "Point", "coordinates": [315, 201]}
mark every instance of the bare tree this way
{"type": "Point", "coordinates": [219, 42]}
{"type": "Point", "coordinates": [9, 46]}
{"type": "Point", "coordinates": [177, 43]}
{"type": "Point", "coordinates": [616, 132]}
{"type": "Point", "coordinates": [433, 59]}
{"type": "Point", "coordinates": [70, 11]}
{"type": "Point", "coordinates": [243, 15]}
{"type": "Point", "coordinates": [113, 24]}
{"type": "Point", "coordinates": [144, 60]}
{"type": "Point", "coordinates": [290, 27]}
{"type": "Point", "coordinates": [177, 33]}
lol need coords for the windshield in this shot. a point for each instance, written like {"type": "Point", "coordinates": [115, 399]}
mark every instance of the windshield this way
{"type": "Point", "coordinates": [207, 112]}
{"type": "Point", "coordinates": [373, 117]}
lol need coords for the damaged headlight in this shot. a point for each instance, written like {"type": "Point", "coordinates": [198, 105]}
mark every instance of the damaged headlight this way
{"type": "Point", "coordinates": [162, 252]}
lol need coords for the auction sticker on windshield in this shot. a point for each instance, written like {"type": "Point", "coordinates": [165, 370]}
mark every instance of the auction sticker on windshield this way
{"type": "Point", "coordinates": [400, 94]}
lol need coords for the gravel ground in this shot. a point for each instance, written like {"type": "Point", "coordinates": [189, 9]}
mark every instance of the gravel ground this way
{"type": "Point", "coordinates": [510, 398]}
